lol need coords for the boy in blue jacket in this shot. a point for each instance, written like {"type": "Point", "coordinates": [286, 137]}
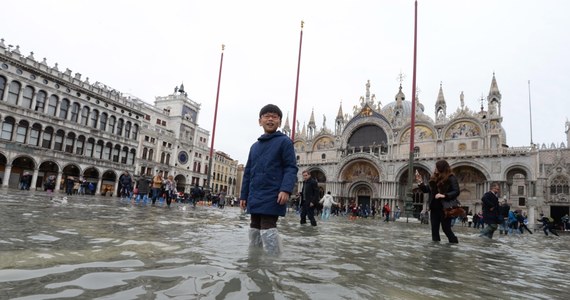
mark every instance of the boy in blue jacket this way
{"type": "Point", "coordinates": [269, 177]}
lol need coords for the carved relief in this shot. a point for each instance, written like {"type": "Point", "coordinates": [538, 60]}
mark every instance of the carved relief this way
{"type": "Point", "coordinates": [323, 143]}
{"type": "Point", "coordinates": [361, 171]}
{"type": "Point", "coordinates": [421, 133]}
{"type": "Point", "coordinates": [299, 146]}
{"type": "Point", "coordinates": [462, 130]}
{"type": "Point", "coordinates": [560, 198]}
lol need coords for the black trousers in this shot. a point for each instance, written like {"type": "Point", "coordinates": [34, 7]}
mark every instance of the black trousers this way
{"type": "Point", "coordinates": [307, 211]}
{"type": "Point", "coordinates": [263, 221]}
{"type": "Point", "coordinates": [437, 219]}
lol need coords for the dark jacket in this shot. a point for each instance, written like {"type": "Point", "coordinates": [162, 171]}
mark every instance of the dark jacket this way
{"type": "Point", "coordinates": [310, 192]}
{"type": "Point", "coordinates": [489, 201]}
{"type": "Point", "coordinates": [450, 188]}
{"type": "Point", "coordinates": [143, 184]}
{"type": "Point", "coordinates": [271, 168]}
{"type": "Point", "coordinates": [126, 181]}
{"type": "Point", "coordinates": [504, 210]}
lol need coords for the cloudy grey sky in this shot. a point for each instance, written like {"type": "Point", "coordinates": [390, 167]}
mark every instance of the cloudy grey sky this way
{"type": "Point", "coordinates": [146, 48]}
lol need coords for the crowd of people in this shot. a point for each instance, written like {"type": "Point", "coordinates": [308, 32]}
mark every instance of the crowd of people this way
{"type": "Point", "coordinates": [71, 185]}
{"type": "Point", "coordinates": [327, 206]}
{"type": "Point", "coordinates": [158, 190]}
{"type": "Point", "coordinates": [270, 177]}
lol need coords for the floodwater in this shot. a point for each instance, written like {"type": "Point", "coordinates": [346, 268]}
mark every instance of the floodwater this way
{"type": "Point", "coordinates": [100, 248]}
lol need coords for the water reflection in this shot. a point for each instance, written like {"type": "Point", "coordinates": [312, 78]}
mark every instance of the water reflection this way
{"type": "Point", "coordinates": [99, 248]}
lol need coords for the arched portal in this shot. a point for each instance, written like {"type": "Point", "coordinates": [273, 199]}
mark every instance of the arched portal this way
{"type": "Point", "coordinates": [518, 185]}
{"type": "Point", "coordinates": [108, 182]}
{"type": "Point", "coordinates": [321, 178]}
{"type": "Point", "coordinates": [369, 138]}
{"type": "Point", "coordinates": [180, 182]}
{"type": "Point", "coordinates": [471, 184]}
{"type": "Point", "coordinates": [3, 162]}
{"type": "Point", "coordinates": [47, 168]}
{"type": "Point", "coordinates": [419, 200]}
{"type": "Point", "coordinates": [23, 165]}
{"type": "Point", "coordinates": [71, 170]}
{"type": "Point", "coordinates": [359, 199]}
{"type": "Point", "coordinates": [91, 175]}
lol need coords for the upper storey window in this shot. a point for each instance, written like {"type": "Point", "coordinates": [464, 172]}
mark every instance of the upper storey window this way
{"type": "Point", "coordinates": [2, 87]}
{"type": "Point", "coordinates": [27, 97]}
{"type": "Point", "coordinates": [52, 105]}
{"type": "Point", "coordinates": [41, 101]}
{"type": "Point", "coordinates": [14, 92]}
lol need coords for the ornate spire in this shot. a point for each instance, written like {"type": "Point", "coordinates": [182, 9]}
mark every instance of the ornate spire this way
{"type": "Point", "coordinates": [312, 127]}
{"type": "Point", "coordinates": [440, 97]}
{"type": "Point", "coordinates": [494, 99]}
{"type": "Point", "coordinates": [367, 90]}
{"type": "Point", "coordinates": [400, 97]}
{"type": "Point", "coordinates": [440, 105]}
{"type": "Point", "coordinates": [312, 119]}
{"type": "Point", "coordinates": [494, 90]}
{"type": "Point", "coordinates": [339, 121]}
{"type": "Point", "coordinates": [339, 114]}
{"type": "Point", "coordinates": [286, 128]}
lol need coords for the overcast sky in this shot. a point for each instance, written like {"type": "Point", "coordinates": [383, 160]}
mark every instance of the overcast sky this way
{"type": "Point", "coordinates": [146, 48]}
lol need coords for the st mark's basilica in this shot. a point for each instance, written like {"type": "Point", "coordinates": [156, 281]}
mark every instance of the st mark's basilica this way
{"type": "Point", "coordinates": [364, 158]}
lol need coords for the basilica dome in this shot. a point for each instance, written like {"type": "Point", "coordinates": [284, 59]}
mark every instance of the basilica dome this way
{"type": "Point", "coordinates": [389, 108]}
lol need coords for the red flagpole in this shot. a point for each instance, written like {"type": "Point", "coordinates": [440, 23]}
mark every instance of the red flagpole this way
{"type": "Point", "coordinates": [410, 194]}
{"type": "Point", "coordinates": [210, 166]}
{"type": "Point", "coordinates": [413, 124]}
{"type": "Point", "coordinates": [297, 85]}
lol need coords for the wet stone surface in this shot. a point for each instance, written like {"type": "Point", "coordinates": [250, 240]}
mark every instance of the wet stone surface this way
{"type": "Point", "coordinates": [100, 248]}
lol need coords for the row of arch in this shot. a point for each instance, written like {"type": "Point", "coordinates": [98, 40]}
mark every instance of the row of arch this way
{"type": "Point", "coordinates": [368, 134]}
{"type": "Point", "coordinates": [64, 109]}
{"type": "Point", "coordinates": [358, 181]}
{"type": "Point", "coordinates": [59, 140]}
{"type": "Point", "coordinates": [104, 180]}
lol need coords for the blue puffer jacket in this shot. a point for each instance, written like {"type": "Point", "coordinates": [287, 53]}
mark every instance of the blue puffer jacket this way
{"type": "Point", "coordinates": [271, 168]}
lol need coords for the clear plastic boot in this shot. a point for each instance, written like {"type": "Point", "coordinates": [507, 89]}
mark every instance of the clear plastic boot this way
{"type": "Point", "coordinates": [271, 241]}
{"type": "Point", "coordinates": [255, 238]}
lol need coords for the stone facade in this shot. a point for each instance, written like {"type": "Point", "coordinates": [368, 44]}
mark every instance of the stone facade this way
{"type": "Point", "coordinates": [364, 159]}
{"type": "Point", "coordinates": [54, 123]}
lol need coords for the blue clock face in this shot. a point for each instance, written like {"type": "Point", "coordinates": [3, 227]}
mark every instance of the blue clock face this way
{"type": "Point", "coordinates": [183, 157]}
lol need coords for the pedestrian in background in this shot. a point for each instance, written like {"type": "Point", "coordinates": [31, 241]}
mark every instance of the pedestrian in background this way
{"type": "Point", "coordinates": [156, 187]}
{"type": "Point", "coordinates": [269, 177]}
{"type": "Point", "coordinates": [547, 224]}
{"type": "Point", "coordinates": [442, 186]}
{"type": "Point", "coordinates": [143, 186]}
{"type": "Point", "coordinates": [523, 221]}
{"type": "Point", "coordinates": [327, 201]}
{"type": "Point", "coordinates": [69, 183]}
{"type": "Point", "coordinates": [310, 200]}
{"type": "Point", "coordinates": [469, 219]}
{"type": "Point", "coordinates": [127, 185]}
{"type": "Point", "coordinates": [504, 215]}
{"type": "Point", "coordinates": [397, 213]}
{"type": "Point", "coordinates": [170, 191]}
{"type": "Point", "coordinates": [491, 213]}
